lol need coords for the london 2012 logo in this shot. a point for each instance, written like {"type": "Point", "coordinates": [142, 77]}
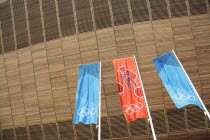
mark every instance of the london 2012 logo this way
{"type": "Point", "coordinates": [129, 78]}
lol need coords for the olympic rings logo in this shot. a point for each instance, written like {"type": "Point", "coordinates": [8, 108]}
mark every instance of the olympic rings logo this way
{"type": "Point", "coordinates": [86, 112]}
{"type": "Point", "coordinates": [184, 97]}
{"type": "Point", "coordinates": [130, 109]}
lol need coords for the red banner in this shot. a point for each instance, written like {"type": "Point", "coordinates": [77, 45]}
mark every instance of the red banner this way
{"type": "Point", "coordinates": [129, 88]}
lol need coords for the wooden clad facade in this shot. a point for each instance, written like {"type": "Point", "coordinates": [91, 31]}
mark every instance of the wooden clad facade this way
{"type": "Point", "coordinates": [42, 43]}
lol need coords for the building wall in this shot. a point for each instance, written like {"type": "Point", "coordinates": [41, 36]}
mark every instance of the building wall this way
{"type": "Point", "coordinates": [42, 44]}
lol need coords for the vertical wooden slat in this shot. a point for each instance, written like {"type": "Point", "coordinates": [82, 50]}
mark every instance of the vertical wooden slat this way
{"type": "Point", "coordinates": [83, 131]}
{"type": "Point", "coordinates": [208, 6]}
{"type": "Point", "coordinates": [158, 119]}
{"type": "Point", "coordinates": [139, 127]}
{"type": "Point", "coordinates": [1, 41]}
{"type": "Point", "coordinates": [7, 27]}
{"type": "Point", "coordinates": [176, 120]}
{"type": "Point", "coordinates": [41, 76]}
{"type": "Point", "coordinates": [84, 19]}
{"type": "Point", "coordinates": [35, 24]}
{"type": "Point", "coordinates": [58, 81]}
{"type": "Point", "coordinates": [197, 7]}
{"type": "Point", "coordinates": [5, 104]}
{"type": "Point", "coordinates": [50, 131]}
{"type": "Point", "coordinates": [158, 9]}
{"type": "Point", "coordinates": [88, 47]}
{"type": "Point", "coordinates": [139, 10]}
{"type": "Point", "coordinates": [178, 8]}
{"type": "Point", "coordinates": [28, 86]}
{"type": "Point", "coordinates": [66, 130]}
{"type": "Point", "coordinates": [66, 17]}
{"type": "Point", "coordinates": [50, 19]}
{"type": "Point", "coordinates": [20, 24]}
{"type": "Point", "coordinates": [43, 84]}
{"type": "Point", "coordinates": [120, 12]}
{"type": "Point", "coordinates": [15, 91]}
{"type": "Point", "coordinates": [119, 126]}
{"type": "Point", "coordinates": [35, 132]}
{"type": "Point", "coordinates": [102, 14]}
{"type": "Point", "coordinates": [8, 134]}
{"type": "Point", "coordinates": [195, 118]}
{"type": "Point", "coordinates": [125, 41]}
{"type": "Point", "coordinates": [21, 133]}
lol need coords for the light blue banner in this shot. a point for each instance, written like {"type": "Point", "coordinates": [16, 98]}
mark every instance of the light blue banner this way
{"type": "Point", "coordinates": [175, 80]}
{"type": "Point", "coordinates": [87, 102]}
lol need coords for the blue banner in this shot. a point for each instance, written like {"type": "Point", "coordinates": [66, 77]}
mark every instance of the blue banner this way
{"type": "Point", "coordinates": [87, 96]}
{"type": "Point", "coordinates": [175, 80]}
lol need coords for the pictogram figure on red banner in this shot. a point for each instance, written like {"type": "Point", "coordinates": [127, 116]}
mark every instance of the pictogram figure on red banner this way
{"type": "Point", "coordinates": [129, 77]}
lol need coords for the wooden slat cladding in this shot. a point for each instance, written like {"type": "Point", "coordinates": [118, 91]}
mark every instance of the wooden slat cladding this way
{"type": "Point", "coordinates": [14, 88]}
{"type": "Point", "coordinates": [197, 7]}
{"type": "Point", "coordinates": [20, 23]}
{"type": "Point", "coordinates": [105, 127]}
{"type": "Point", "coordinates": [201, 32]}
{"type": "Point", "coordinates": [66, 130]}
{"type": "Point", "coordinates": [119, 126]}
{"type": "Point", "coordinates": [21, 131]}
{"type": "Point", "coordinates": [35, 24]}
{"type": "Point", "coordinates": [35, 132]}
{"type": "Point", "coordinates": [158, 9]}
{"type": "Point", "coordinates": [178, 8]}
{"type": "Point", "coordinates": [178, 135]}
{"type": "Point", "coordinates": [50, 131]}
{"type": "Point", "coordinates": [28, 86]}
{"type": "Point", "coordinates": [84, 18]}
{"type": "Point", "coordinates": [83, 131]}
{"type": "Point", "coordinates": [125, 40]}
{"type": "Point", "coordinates": [198, 134]}
{"type": "Point", "coordinates": [120, 12]}
{"type": "Point", "coordinates": [195, 117]}
{"type": "Point", "coordinates": [209, 4]}
{"type": "Point", "coordinates": [43, 85]}
{"type": "Point", "coordinates": [139, 10]}
{"type": "Point", "coordinates": [58, 80]}
{"type": "Point", "coordinates": [38, 83]}
{"type": "Point", "coordinates": [1, 50]}
{"type": "Point", "coordinates": [66, 17]}
{"type": "Point", "coordinates": [5, 106]}
{"type": "Point", "coordinates": [8, 134]}
{"type": "Point", "coordinates": [139, 127]}
{"type": "Point", "coordinates": [22, 137]}
{"type": "Point", "coordinates": [88, 47]}
{"type": "Point", "coordinates": [159, 122]}
{"type": "Point", "coordinates": [50, 19]}
{"type": "Point", "coordinates": [102, 14]}
{"type": "Point", "coordinates": [176, 120]}
{"type": "Point", "coordinates": [105, 134]}
{"type": "Point", "coordinates": [208, 107]}
{"type": "Point", "coordinates": [7, 27]}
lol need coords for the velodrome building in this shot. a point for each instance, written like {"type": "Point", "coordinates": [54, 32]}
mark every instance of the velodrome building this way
{"type": "Point", "coordinates": [43, 42]}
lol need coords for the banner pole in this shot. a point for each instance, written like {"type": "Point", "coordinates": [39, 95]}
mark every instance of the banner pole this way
{"type": "Point", "coordinates": [204, 107]}
{"type": "Point", "coordinates": [148, 112]}
{"type": "Point", "coordinates": [99, 102]}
